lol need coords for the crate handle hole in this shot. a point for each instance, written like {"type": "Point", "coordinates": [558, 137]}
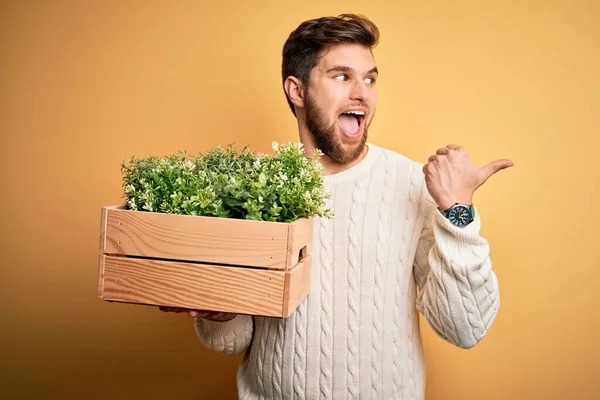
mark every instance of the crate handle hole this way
{"type": "Point", "coordinates": [303, 252]}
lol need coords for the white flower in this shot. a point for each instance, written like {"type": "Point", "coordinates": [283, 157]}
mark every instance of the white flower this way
{"type": "Point", "coordinates": [275, 146]}
{"type": "Point", "coordinates": [178, 181]}
{"type": "Point", "coordinates": [189, 165]}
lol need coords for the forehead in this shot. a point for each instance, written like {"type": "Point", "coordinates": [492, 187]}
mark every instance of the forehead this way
{"type": "Point", "coordinates": [355, 56]}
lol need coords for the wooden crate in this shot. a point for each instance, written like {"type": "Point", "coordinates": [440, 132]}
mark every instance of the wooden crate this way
{"type": "Point", "coordinates": [218, 264]}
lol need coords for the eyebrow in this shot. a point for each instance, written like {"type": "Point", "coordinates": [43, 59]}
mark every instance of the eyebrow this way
{"type": "Point", "coordinates": [343, 68]}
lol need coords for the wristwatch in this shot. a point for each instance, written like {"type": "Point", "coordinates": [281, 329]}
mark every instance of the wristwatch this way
{"type": "Point", "coordinates": [460, 215]}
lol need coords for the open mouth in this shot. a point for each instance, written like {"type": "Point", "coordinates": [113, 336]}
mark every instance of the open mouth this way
{"type": "Point", "coordinates": [352, 122]}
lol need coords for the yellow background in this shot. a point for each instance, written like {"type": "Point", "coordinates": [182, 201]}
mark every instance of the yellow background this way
{"type": "Point", "coordinates": [86, 85]}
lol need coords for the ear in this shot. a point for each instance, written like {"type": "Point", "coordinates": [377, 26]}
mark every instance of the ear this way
{"type": "Point", "coordinates": [295, 91]}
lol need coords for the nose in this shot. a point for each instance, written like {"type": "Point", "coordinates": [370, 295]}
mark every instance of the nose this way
{"type": "Point", "coordinates": [358, 91]}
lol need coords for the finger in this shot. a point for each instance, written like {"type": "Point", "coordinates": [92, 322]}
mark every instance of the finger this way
{"type": "Point", "coordinates": [204, 314]}
{"type": "Point", "coordinates": [222, 316]}
{"type": "Point", "coordinates": [453, 146]}
{"type": "Point", "coordinates": [442, 151]}
{"type": "Point", "coordinates": [172, 309]}
{"type": "Point", "coordinates": [494, 167]}
{"type": "Point", "coordinates": [438, 158]}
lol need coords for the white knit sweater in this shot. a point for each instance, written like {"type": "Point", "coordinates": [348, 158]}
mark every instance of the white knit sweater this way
{"type": "Point", "coordinates": [387, 254]}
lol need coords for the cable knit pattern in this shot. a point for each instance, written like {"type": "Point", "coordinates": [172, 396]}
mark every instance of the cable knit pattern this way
{"type": "Point", "coordinates": [278, 359]}
{"type": "Point", "coordinates": [262, 344]}
{"type": "Point", "coordinates": [354, 272]}
{"type": "Point", "coordinates": [416, 185]}
{"type": "Point", "coordinates": [299, 363]}
{"type": "Point", "coordinates": [474, 317]}
{"type": "Point", "coordinates": [386, 225]}
{"type": "Point", "coordinates": [326, 265]}
{"type": "Point", "coordinates": [403, 331]}
{"type": "Point", "coordinates": [382, 255]}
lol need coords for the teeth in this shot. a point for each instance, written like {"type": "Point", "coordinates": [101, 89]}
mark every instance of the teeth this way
{"type": "Point", "coordinates": [355, 112]}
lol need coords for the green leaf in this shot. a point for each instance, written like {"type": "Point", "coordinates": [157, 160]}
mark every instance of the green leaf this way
{"type": "Point", "coordinates": [228, 183]}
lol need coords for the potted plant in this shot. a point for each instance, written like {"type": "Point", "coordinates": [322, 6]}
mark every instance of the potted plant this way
{"type": "Point", "coordinates": [226, 231]}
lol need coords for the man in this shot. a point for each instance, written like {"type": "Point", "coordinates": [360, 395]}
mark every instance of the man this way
{"type": "Point", "coordinates": [405, 239]}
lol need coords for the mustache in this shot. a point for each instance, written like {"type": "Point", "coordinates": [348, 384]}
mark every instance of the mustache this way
{"type": "Point", "coordinates": [355, 105]}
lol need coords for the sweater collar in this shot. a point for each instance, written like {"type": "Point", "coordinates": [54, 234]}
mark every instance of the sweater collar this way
{"type": "Point", "coordinates": [357, 169]}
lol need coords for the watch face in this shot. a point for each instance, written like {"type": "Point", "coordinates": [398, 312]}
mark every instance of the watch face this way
{"type": "Point", "coordinates": [460, 216]}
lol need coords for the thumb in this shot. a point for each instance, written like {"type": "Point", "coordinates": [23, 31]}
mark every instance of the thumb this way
{"type": "Point", "coordinates": [494, 167]}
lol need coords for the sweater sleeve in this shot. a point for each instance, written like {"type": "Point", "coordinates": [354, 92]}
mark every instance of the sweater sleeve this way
{"type": "Point", "coordinates": [458, 291]}
{"type": "Point", "coordinates": [229, 337]}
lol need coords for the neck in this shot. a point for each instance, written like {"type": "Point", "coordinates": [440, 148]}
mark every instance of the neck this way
{"type": "Point", "coordinates": [330, 166]}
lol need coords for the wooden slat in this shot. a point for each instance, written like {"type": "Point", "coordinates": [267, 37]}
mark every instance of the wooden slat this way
{"type": "Point", "coordinates": [103, 229]}
{"type": "Point", "coordinates": [297, 285]}
{"type": "Point", "coordinates": [196, 286]}
{"type": "Point", "coordinates": [101, 275]}
{"type": "Point", "coordinates": [299, 240]}
{"type": "Point", "coordinates": [193, 238]}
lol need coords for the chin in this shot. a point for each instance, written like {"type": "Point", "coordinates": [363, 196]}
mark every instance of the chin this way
{"type": "Point", "coordinates": [349, 148]}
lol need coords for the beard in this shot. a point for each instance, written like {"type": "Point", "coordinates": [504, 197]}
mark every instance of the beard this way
{"type": "Point", "coordinates": [326, 138]}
